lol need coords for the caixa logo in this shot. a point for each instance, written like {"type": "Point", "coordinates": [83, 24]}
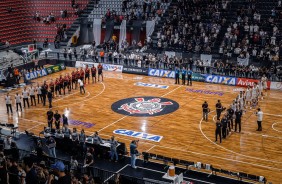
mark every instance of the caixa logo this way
{"type": "Point", "coordinates": [161, 73]}
{"type": "Point", "coordinates": [138, 135]}
{"type": "Point", "coordinates": [221, 80]}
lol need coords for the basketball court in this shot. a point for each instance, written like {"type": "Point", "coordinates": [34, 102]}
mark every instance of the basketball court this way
{"type": "Point", "coordinates": [167, 118]}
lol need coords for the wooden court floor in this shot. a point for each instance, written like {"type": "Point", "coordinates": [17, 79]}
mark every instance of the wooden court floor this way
{"type": "Point", "coordinates": [185, 136]}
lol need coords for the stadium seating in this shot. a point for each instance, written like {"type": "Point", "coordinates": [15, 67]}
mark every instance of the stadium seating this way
{"type": "Point", "coordinates": [19, 25]}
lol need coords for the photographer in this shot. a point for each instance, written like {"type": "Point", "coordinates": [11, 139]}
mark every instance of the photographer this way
{"type": "Point", "coordinates": [259, 115]}
{"type": "Point", "coordinates": [133, 152]}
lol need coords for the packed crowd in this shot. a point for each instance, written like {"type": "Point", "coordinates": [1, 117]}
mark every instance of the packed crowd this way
{"type": "Point", "coordinates": [192, 26]}
{"type": "Point", "coordinates": [252, 37]}
{"type": "Point", "coordinates": [138, 10]}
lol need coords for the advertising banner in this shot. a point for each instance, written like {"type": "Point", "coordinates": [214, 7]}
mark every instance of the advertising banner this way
{"type": "Point", "coordinates": [79, 64]}
{"type": "Point", "coordinates": [55, 68]}
{"type": "Point", "coordinates": [135, 70]}
{"type": "Point", "coordinates": [221, 80]}
{"type": "Point", "coordinates": [244, 82]}
{"type": "Point", "coordinates": [112, 68]}
{"type": "Point", "coordinates": [36, 74]}
{"type": "Point", "coordinates": [161, 73]}
{"type": "Point", "coordinates": [276, 85]}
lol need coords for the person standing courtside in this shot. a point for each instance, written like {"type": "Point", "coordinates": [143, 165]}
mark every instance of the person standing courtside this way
{"type": "Point", "coordinates": [133, 152]}
{"type": "Point", "coordinates": [18, 101]}
{"type": "Point", "coordinates": [39, 93]}
{"type": "Point", "coordinates": [205, 107]}
{"type": "Point", "coordinates": [87, 74]}
{"type": "Point", "coordinates": [100, 71]}
{"type": "Point", "coordinates": [50, 116]}
{"type": "Point", "coordinates": [218, 130]}
{"type": "Point", "coordinates": [44, 92]}
{"type": "Point", "coordinates": [230, 113]}
{"type": "Point", "coordinates": [238, 117]}
{"type": "Point", "coordinates": [183, 72]}
{"type": "Point", "coordinates": [50, 97]}
{"type": "Point", "coordinates": [51, 145]}
{"type": "Point", "coordinates": [113, 148]}
{"type": "Point", "coordinates": [176, 75]}
{"type": "Point", "coordinates": [8, 103]}
{"type": "Point", "coordinates": [57, 118]}
{"type": "Point", "coordinates": [25, 97]}
{"type": "Point", "coordinates": [93, 74]}
{"type": "Point", "coordinates": [81, 86]}
{"type": "Point", "coordinates": [259, 115]}
{"type": "Point", "coordinates": [32, 95]}
{"type": "Point", "coordinates": [224, 123]}
{"type": "Point", "coordinates": [189, 77]}
{"type": "Point", "coordinates": [218, 107]}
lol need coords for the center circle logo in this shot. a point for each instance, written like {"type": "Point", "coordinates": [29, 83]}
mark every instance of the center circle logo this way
{"type": "Point", "coordinates": [145, 106]}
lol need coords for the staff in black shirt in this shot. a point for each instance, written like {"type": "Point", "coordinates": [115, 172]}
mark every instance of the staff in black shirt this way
{"type": "Point", "coordinates": [218, 130]}
{"type": "Point", "coordinates": [230, 113]}
{"type": "Point", "coordinates": [50, 97]}
{"type": "Point", "coordinates": [238, 116]}
{"type": "Point", "coordinates": [57, 117]}
{"type": "Point", "coordinates": [224, 123]}
{"type": "Point", "coordinates": [43, 93]}
{"type": "Point", "coordinates": [205, 107]}
{"type": "Point", "coordinates": [218, 109]}
{"type": "Point", "coordinates": [50, 115]}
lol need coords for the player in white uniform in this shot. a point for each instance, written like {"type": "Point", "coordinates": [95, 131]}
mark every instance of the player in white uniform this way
{"type": "Point", "coordinates": [260, 89]}
{"type": "Point", "coordinates": [32, 95]}
{"type": "Point", "coordinates": [18, 101]}
{"type": "Point", "coordinates": [39, 93]}
{"type": "Point", "coordinates": [255, 91]}
{"type": "Point", "coordinates": [264, 84]}
{"type": "Point", "coordinates": [241, 101]}
{"type": "Point", "coordinates": [25, 97]}
{"type": "Point", "coordinates": [8, 103]}
{"type": "Point", "coordinates": [248, 96]}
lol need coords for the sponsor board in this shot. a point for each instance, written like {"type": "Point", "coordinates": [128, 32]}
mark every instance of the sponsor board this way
{"type": "Point", "coordinates": [135, 70]}
{"type": "Point", "coordinates": [206, 92]}
{"type": "Point", "coordinates": [161, 73]}
{"type": "Point", "coordinates": [221, 80]}
{"type": "Point", "coordinates": [82, 64]}
{"type": "Point", "coordinates": [138, 135]}
{"type": "Point", "coordinates": [147, 106]}
{"type": "Point", "coordinates": [36, 74]}
{"type": "Point", "coordinates": [55, 68]}
{"type": "Point", "coordinates": [276, 85]}
{"type": "Point", "coordinates": [244, 82]}
{"type": "Point", "coordinates": [113, 68]}
{"type": "Point", "coordinates": [198, 77]}
{"type": "Point", "coordinates": [150, 85]}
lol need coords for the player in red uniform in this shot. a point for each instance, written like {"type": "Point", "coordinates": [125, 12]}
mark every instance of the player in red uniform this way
{"type": "Point", "coordinates": [93, 73]}
{"type": "Point", "coordinates": [61, 83]}
{"type": "Point", "coordinates": [77, 76]}
{"type": "Point", "coordinates": [82, 75]}
{"type": "Point", "coordinates": [87, 73]}
{"type": "Point", "coordinates": [72, 78]}
{"type": "Point", "coordinates": [65, 82]}
{"type": "Point", "coordinates": [69, 82]}
{"type": "Point", "coordinates": [57, 88]}
{"type": "Point", "coordinates": [45, 85]}
{"type": "Point", "coordinates": [100, 71]}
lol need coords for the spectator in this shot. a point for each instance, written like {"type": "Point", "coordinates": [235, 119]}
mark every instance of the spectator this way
{"type": "Point", "coordinates": [88, 163]}
{"type": "Point", "coordinates": [51, 145]}
{"type": "Point", "coordinates": [31, 176]}
{"type": "Point", "coordinates": [113, 148]}
{"type": "Point", "coordinates": [59, 171]}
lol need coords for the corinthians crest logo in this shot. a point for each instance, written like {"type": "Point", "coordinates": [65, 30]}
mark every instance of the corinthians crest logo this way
{"type": "Point", "coordinates": [145, 106]}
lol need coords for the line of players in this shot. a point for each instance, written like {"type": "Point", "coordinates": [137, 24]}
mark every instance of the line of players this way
{"type": "Point", "coordinates": [59, 87]}
{"type": "Point", "coordinates": [249, 97]}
